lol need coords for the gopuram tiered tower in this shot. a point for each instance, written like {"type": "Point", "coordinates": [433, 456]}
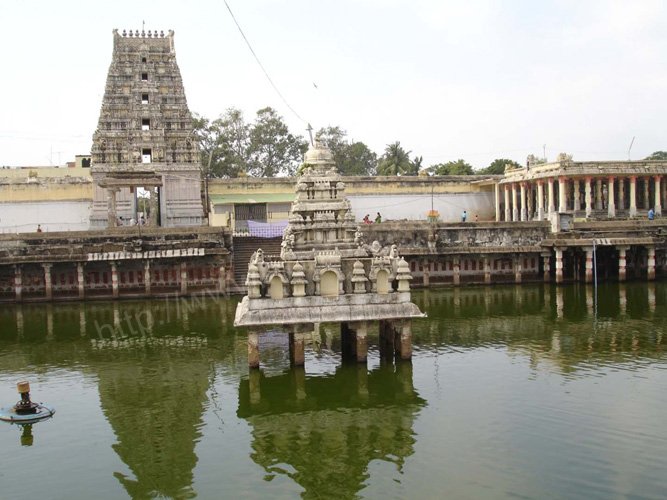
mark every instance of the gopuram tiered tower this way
{"type": "Point", "coordinates": [326, 273]}
{"type": "Point", "coordinates": [144, 138]}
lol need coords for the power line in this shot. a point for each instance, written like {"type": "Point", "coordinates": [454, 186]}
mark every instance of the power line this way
{"type": "Point", "coordinates": [260, 64]}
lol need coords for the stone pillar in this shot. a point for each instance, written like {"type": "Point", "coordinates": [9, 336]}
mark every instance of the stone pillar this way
{"type": "Point", "coordinates": [152, 219]}
{"type": "Point", "coordinates": [457, 269]}
{"type": "Point", "coordinates": [297, 347]}
{"type": "Point", "coordinates": [650, 274]}
{"type": "Point", "coordinates": [552, 205]}
{"type": "Point", "coordinates": [588, 196]}
{"type": "Point", "coordinates": [508, 208]}
{"type": "Point", "coordinates": [647, 196]}
{"type": "Point", "coordinates": [658, 201]}
{"type": "Point", "coordinates": [114, 279]}
{"type": "Point", "coordinates": [524, 213]}
{"type": "Point", "coordinates": [18, 283]}
{"type": "Point", "coordinates": [621, 193]}
{"type": "Point", "coordinates": [487, 271]}
{"type": "Point", "coordinates": [403, 338]}
{"type": "Point", "coordinates": [426, 266]}
{"type": "Point", "coordinates": [184, 278]}
{"type": "Point", "coordinates": [147, 278]}
{"type": "Point", "coordinates": [80, 279]}
{"type": "Point", "coordinates": [357, 340]}
{"type": "Point", "coordinates": [559, 265]}
{"type": "Point", "coordinates": [577, 195]}
{"type": "Point", "coordinates": [598, 194]}
{"type": "Point", "coordinates": [518, 268]}
{"type": "Point", "coordinates": [47, 281]}
{"type": "Point", "coordinates": [562, 194]}
{"type": "Point", "coordinates": [111, 206]}
{"type": "Point", "coordinates": [611, 202]}
{"type": "Point", "coordinates": [621, 262]}
{"type": "Point", "coordinates": [589, 264]}
{"type": "Point", "coordinates": [633, 196]}
{"type": "Point", "coordinates": [497, 193]}
{"type": "Point", "coordinates": [253, 348]}
{"type": "Point", "coordinates": [540, 199]}
{"type": "Point", "coordinates": [515, 205]}
{"type": "Point", "coordinates": [546, 266]}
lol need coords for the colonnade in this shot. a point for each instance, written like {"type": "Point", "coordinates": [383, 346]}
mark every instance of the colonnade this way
{"type": "Point", "coordinates": [537, 199]}
{"type": "Point", "coordinates": [395, 337]}
{"type": "Point", "coordinates": [181, 268]}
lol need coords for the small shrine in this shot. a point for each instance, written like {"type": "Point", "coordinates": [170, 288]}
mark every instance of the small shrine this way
{"type": "Point", "coordinates": [327, 273]}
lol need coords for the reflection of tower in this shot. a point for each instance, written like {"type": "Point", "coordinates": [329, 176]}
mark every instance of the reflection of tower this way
{"type": "Point", "coordinates": [154, 405]}
{"type": "Point", "coordinates": [328, 429]}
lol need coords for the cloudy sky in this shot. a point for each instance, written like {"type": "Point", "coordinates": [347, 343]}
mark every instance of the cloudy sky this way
{"type": "Point", "coordinates": [470, 79]}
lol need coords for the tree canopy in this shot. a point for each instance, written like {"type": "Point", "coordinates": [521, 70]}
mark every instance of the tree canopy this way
{"type": "Point", "coordinates": [497, 167]}
{"type": "Point", "coordinates": [395, 161]}
{"type": "Point", "coordinates": [263, 148]}
{"type": "Point", "coordinates": [351, 157]}
{"type": "Point", "coordinates": [658, 155]}
{"type": "Point", "coordinates": [458, 167]}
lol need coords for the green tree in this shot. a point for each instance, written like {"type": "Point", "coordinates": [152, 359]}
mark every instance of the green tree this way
{"type": "Point", "coordinates": [231, 146]}
{"type": "Point", "coordinates": [458, 167]}
{"type": "Point", "coordinates": [273, 149]}
{"type": "Point", "coordinates": [395, 161]}
{"type": "Point", "coordinates": [658, 155]}
{"type": "Point", "coordinates": [497, 167]}
{"type": "Point", "coordinates": [351, 158]}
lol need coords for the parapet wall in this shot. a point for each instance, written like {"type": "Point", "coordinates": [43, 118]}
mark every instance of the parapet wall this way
{"type": "Point", "coordinates": [419, 237]}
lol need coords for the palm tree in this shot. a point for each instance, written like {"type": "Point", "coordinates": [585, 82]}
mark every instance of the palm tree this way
{"type": "Point", "coordinates": [394, 161]}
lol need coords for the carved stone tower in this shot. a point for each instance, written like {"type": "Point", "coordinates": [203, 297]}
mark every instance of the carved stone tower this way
{"type": "Point", "coordinates": [144, 137]}
{"type": "Point", "coordinates": [326, 273]}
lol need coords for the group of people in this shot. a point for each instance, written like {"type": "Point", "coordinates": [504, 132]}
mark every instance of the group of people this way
{"type": "Point", "coordinates": [464, 217]}
{"type": "Point", "coordinates": [133, 221]}
{"type": "Point", "coordinates": [378, 219]}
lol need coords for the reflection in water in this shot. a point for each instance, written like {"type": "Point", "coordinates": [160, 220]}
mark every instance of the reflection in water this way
{"type": "Point", "coordinates": [323, 431]}
{"type": "Point", "coordinates": [505, 362]}
{"type": "Point", "coordinates": [154, 405]}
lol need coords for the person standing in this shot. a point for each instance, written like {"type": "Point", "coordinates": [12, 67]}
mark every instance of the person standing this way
{"type": "Point", "coordinates": [651, 214]}
{"type": "Point", "coordinates": [464, 216]}
{"type": "Point", "coordinates": [378, 218]}
{"type": "Point", "coordinates": [39, 228]}
{"type": "Point", "coordinates": [476, 218]}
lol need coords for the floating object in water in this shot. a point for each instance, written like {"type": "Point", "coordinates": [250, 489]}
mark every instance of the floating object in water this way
{"type": "Point", "coordinates": [25, 411]}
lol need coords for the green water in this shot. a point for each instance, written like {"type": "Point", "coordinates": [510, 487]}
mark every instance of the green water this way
{"type": "Point", "coordinates": [526, 392]}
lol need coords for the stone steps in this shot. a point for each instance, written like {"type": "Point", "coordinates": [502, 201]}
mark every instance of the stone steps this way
{"type": "Point", "coordinates": [244, 247]}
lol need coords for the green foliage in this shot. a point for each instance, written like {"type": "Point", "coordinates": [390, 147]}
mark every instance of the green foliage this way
{"type": "Point", "coordinates": [351, 158]}
{"type": "Point", "coordinates": [497, 166]}
{"type": "Point", "coordinates": [395, 161]}
{"type": "Point", "coordinates": [658, 155]}
{"type": "Point", "coordinates": [264, 148]}
{"type": "Point", "coordinates": [304, 166]}
{"type": "Point", "coordinates": [458, 167]}
{"type": "Point", "coordinates": [539, 160]}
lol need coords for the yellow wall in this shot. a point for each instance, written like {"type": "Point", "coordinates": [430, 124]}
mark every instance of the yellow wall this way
{"type": "Point", "coordinates": [43, 172]}
{"type": "Point", "coordinates": [36, 189]}
{"type": "Point", "coordinates": [360, 185]}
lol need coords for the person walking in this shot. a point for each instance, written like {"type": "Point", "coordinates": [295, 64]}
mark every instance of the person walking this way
{"type": "Point", "coordinates": [464, 216]}
{"type": "Point", "coordinates": [378, 218]}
